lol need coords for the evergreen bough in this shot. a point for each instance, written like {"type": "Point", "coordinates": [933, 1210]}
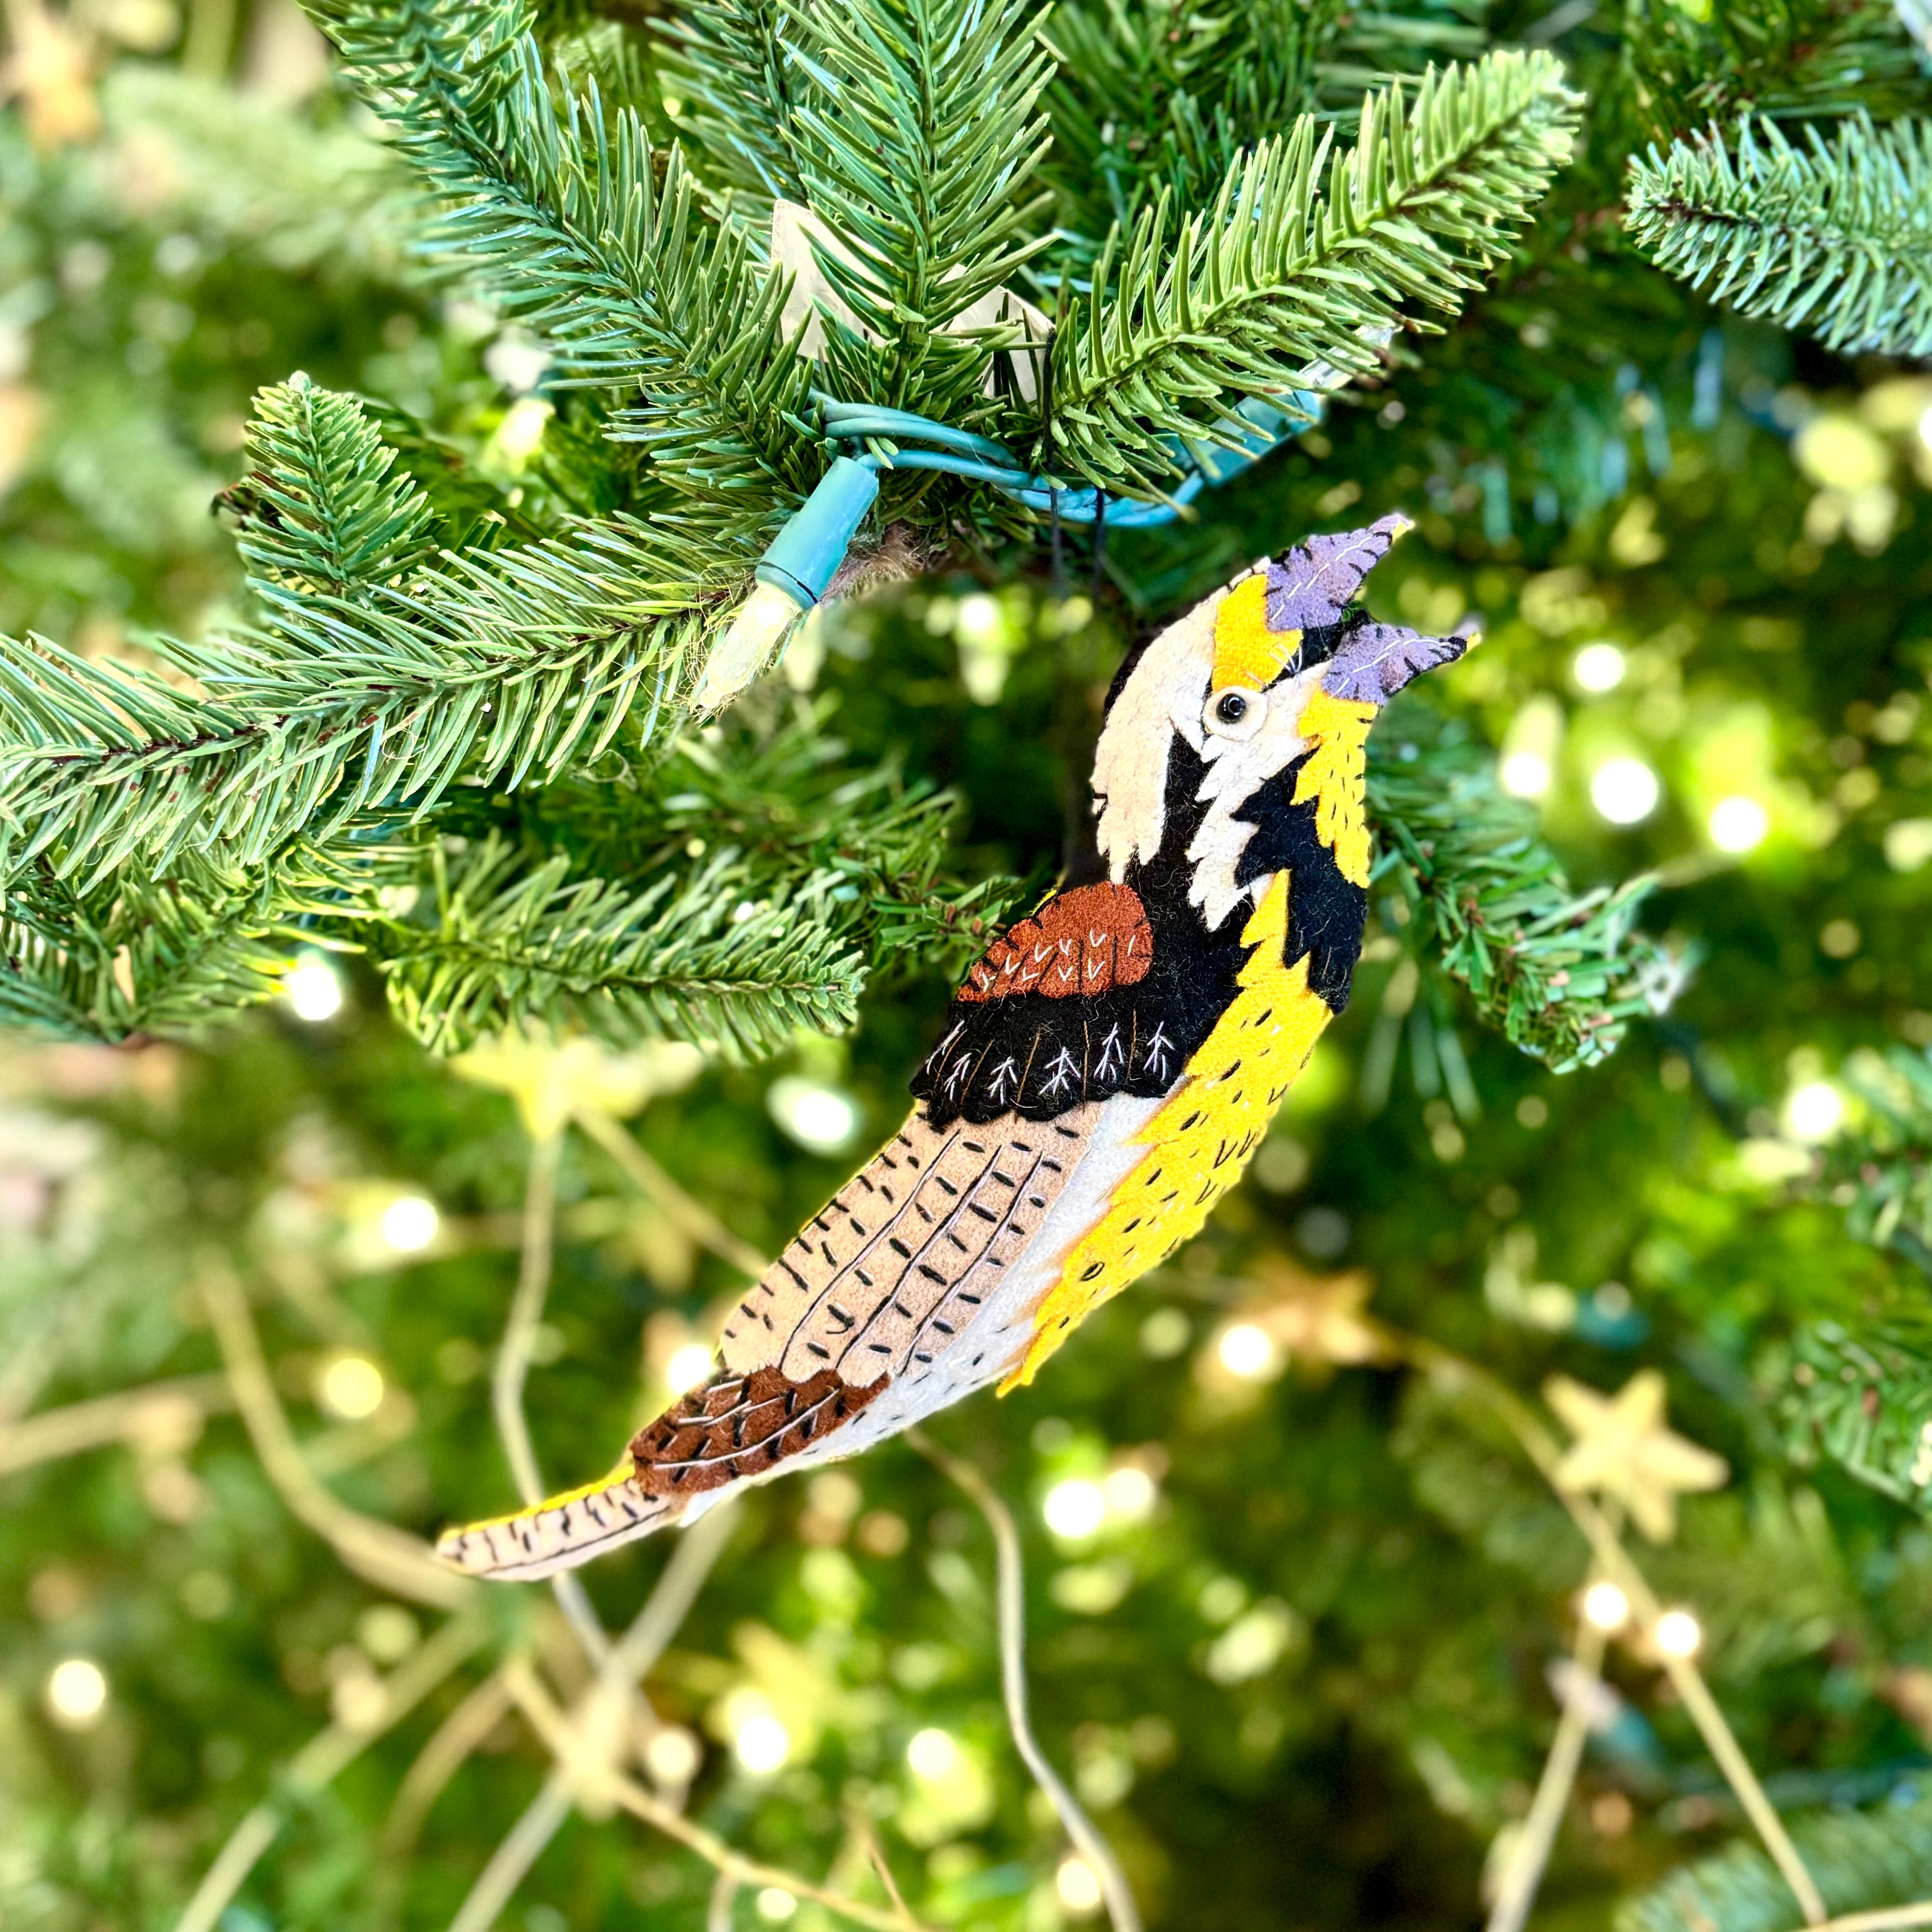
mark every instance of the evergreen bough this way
{"type": "Point", "coordinates": [1831, 234]}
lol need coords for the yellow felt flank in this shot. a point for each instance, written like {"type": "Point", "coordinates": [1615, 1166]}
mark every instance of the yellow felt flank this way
{"type": "Point", "coordinates": [1246, 651]}
{"type": "Point", "coordinates": [1336, 775]}
{"type": "Point", "coordinates": [1200, 1141]}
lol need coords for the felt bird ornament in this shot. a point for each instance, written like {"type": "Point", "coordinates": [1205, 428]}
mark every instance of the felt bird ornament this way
{"type": "Point", "coordinates": [1103, 1076]}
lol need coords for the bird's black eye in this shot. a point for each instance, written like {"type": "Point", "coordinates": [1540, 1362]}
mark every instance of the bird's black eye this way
{"type": "Point", "coordinates": [1232, 708]}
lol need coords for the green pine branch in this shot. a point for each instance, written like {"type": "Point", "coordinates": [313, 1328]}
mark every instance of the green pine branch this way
{"type": "Point", "coordinates": [570, 219]}
{"type": "Point", "coordinates": [1833, 237]}
{"type": "Point", "coordinates": [696, 955]}
{"type": "Point", "coordinates": [1559, 973]}
{"type": "Point", "coordinates": [786, 799]}
{"type": "Point", "coordinates": [357, 690]}
{"type": "Point", "coordinates": [1865, 1400]}
{"type": "Point", "coordinates": [152, 956]}
{"type": "Point", "coordinates": [1861, 1860]}
{"type": "Point", "coordinates": [727, 67]}
{"type": "Point", "coordinates": [1284, 271]}
{"type": "Point", "coordinates": [1167, 94]}
{"type": "Point", "coordinates": [321, 511]}
{"type": "Point", "coordinates": [1796, 59]}
{"type": "Point", "coordinates": [916, 146]}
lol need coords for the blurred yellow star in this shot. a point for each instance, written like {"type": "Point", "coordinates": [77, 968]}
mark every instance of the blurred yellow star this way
{"type": "Point", "coordinates": [1623, 1449]}
{"type": "Point", "coordinates": [552, 1079]}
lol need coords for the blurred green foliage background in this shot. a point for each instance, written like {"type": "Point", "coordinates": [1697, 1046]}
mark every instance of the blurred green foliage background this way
{"type": "Point", "coordinates": [1293, 1634]}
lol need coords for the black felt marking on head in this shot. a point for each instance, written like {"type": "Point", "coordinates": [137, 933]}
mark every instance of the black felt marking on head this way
{"type": "Point", "coordinates": [1319, 644]}
{"type": "Point", "coordinates": [1326, 912]}
{"type": "Point", "coordinates": [1135, 651]}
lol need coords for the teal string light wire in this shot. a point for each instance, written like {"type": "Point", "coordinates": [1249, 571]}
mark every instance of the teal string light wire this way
{"type": "Point", "coordinates": [961, 453]}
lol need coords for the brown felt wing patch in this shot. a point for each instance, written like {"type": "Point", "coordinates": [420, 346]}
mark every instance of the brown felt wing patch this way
{"type": "Point", "coordinates": [1087, 940]}
{"type": "Point", "coordinates": [741, 1426]}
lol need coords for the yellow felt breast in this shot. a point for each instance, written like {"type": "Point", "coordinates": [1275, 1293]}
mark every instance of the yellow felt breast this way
{"type": "Point", "coordinates": [1200, 1141]}
{"type": "Point", "coordinates": [1336, 776]}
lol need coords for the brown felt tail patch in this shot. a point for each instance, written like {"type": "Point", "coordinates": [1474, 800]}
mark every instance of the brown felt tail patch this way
{"type": "Point", "coordinates": [741, 1426]}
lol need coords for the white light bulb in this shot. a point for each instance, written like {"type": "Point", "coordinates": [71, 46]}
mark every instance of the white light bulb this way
{"type": "Point", "coordinates": [1738, 824]}
{"type": "Point", "coordinates": [77, 1694]}
{"type": "Point", "coordinates": [1598, 667]}
{"type": "Point", "coordinates": [1678, 1634]}
{"type": "Point", "coordinates": [673, 1755]}
{"type": "Point", "coordinates": [1525, 774]}
{"type": "Point", "coordinates": [820, 1118]}
{"type": "Point", "coordinates": [1247, 1351]}
{"type": "Point", "coordinates": [1075, 1509]}
{"type": "Point", "coordinates": [1624, 791]}
{"type": "Point", "coordinates": [932, 1754]}
{"type": "Point", "coordinates": [409, 1223]}
{"type": "Point", "coordinates": [1605, 1607]}
{"type": "Point", "coordinates": [756, 632]}
{"type": "Point", "coordinates": [312, 989]}
{"type": "Point", "coordinates": [351, 1388]}
{"type": "Point", "coordinates": [688, 1366]}
{"type": "Point", "coordinates": [1814, 1111]}
{"type": "Point", "coordinates": [1078, 1886]}
{"type": "Point", "coordinates": [1130, 1494]}
{"type": "Point", "coordinates": [762, 1745]}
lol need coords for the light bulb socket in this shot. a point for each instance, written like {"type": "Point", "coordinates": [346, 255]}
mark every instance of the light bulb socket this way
{"type": "Point", "coordinates": [805, 556]}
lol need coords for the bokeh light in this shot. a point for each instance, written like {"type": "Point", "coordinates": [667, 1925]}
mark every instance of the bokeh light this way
{"type": "Point", "coordinates": [1525, 774]}
{"type": "Point", "coordinates": [1738, 824]}
{"type": "Point", "coordinates": [1247, 1351]}
{"type": "Point", "coordinates": [313, 989]}
{"type": "Point", "coordinates": [1678, 1634]}
{"type": "Point", "coordinates": [819, 1118]}
{"type": "Point", "coordinates": [1598, 667]}
{"type": "Point", "coordinates": [1605, 1605]}
{"type": "Point", "coordinates": [1077, 1885]}
{"type": "Point", "coordinates": [1074, 1509]}
{"type": "Point", "coordinates": [1814, 1111]}
{"type": "Point", "coordinates": [350, 1387]}
{"type": "Point", "coordinates": [1624, 790]}
{"type": "Point", "coordinates": [77, 1694]}
{"type": "Point", "coordinates": [410, 1223]}
{"type": "Point", "coordinates": [762, 1744]}
{"type": "Point", "coordinates": [689, 1366]}
{"type": "Point", "coordinates": [932, 1754]}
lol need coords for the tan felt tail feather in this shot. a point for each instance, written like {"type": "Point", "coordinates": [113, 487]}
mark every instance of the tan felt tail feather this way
{"type": "Point", "coordinates": [560, 1532]}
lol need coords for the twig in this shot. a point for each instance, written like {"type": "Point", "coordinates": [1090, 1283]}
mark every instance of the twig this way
{"type": "Point", "coordinates": [696, 1220]}
{"type": "Point", "coordinates": [1886, 1918]}
{"type": "Point", "coordinates": [513, 1366]}
{"type": "Point", "coordinates": [597, 1781]}
{"type": "Point", "coordinates": [449, 1746]}
{"type": "Point", "coordinates": [724, 1896]}
{"type": "Point", "coordinates": [1607, 1546]}
{"type": "Point", "coordinates": [1524, 1872]}
{"type": "Point", "coordinates": [325, 1755]}
{"type": "Point", "coordinates": [601, 1715]}
{"type": "Point", "coordinates": [519, 1850]}
{"type": "Point", "coordinates": [389, 1558]}
{"type": "Point", "coordinates": [1121, 1909]}
{"type": "Point", "coordinates": [123, 1417]}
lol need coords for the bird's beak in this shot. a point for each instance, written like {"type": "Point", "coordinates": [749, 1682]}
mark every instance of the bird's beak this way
{"type": "Point", "coordinates": [1378, 660]}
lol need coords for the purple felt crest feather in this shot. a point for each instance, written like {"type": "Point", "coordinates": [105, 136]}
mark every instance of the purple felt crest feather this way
{"type": "Point", "coordinates": [1375, 661]}
{"type": "Point", "coordinates": [1311, 586]}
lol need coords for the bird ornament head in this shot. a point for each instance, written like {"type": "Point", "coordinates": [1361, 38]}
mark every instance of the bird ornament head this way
{"type": "Point", "coordinates": [1281, 660]}
{"type": "Point", "coordinates": [1101, 1076]}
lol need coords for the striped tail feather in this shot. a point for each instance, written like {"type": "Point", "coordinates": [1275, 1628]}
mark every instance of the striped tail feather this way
{"type": "Point", "coordinates": [560, 1532]}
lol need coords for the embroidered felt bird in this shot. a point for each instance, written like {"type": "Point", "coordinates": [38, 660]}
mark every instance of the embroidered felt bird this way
{"type": "Point", "coordinates": [1103, 1076]}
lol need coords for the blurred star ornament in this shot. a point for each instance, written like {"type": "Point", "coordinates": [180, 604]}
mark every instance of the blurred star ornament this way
{"type": "Point", "coordinates": [551, 1080]}
{"type": "Point", "coordinates": [1103, 1076]}
{"type": "Point", "coordinates": [1623, 1450]}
